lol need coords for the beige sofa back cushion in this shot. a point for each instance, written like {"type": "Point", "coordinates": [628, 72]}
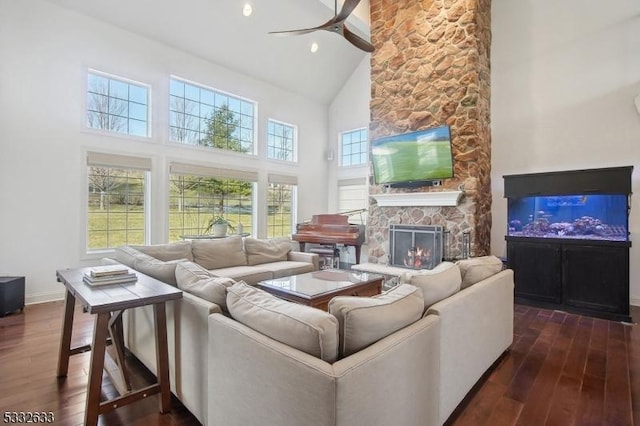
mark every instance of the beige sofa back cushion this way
{"type": "Point", "coordinates": [266, 251]}
{"type": "Point", "coordinates": [166, 252]}
{"type": "Point", "coordinates": [219, 253]}
{"type": "Point", "coordinates": [164, 271]}
{"type": "Point", "coordinates": [476, 269]}
{"type": "Point", "coordinates": [365, 320]}
{"type": "Point", "coordinates": [196, 280]}
{"type": "Point", "coordinates": [307, 329]}
{"type": "Point", "coordinates": [438, 283]}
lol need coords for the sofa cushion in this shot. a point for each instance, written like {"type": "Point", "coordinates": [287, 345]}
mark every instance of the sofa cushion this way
{"type": "Point", "coordinates": [219, 253]}
{"type": "Point", "coordinates": [365, 320]}
{"type": "Point", "coordinates": [305, 328]}
{"type": "Point", "coordinates": [248, 274]}
{"type": "Point", "coordinates": [476, 269]}
{"type": "Point", "coordinates": [437, 283]}
{"type": "Point", "coordinates": [166, 252]}
{"type": "Point", "coordinates": [163, 271]}
{"type": "Point", "coordinates": [266, 251]}
{"type": "Point", "coordinates": [287, 268]}
{"type": "Point", "coordinates": [196, 280]}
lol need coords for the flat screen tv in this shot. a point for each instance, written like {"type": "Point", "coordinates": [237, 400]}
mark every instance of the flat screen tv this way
{"type": "Point", "coordinates": [413, 158]}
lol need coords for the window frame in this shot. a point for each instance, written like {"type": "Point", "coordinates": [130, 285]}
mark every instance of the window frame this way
{"type": "Point", "coordinates": [113, 163]}
{"type": "Point", "coordinates": [294, 141]}
{"type": "Point", "coordinates": [341, 146]}
{"type": "Point", "coordinates": [291, 181]}
{"type": "Point", "coordinates": [128, 81]}
{"type": "Point", "coordinates": [254, 119]}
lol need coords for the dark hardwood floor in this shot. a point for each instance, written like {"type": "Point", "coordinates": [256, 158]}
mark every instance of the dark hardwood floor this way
{"type": "Point", "coordinates": [562, 369]}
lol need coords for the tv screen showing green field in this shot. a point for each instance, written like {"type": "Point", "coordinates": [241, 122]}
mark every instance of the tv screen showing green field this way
{"type": "Point", "coordinates": [413, 157]}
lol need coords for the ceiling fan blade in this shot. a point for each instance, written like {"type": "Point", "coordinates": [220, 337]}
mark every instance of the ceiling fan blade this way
{"type": "Point", "coordinates": [347, 8]}
{"type": "Point", "coordinates": [356, 40]}
{"type": "Point", "coordinates": [292, 32]}
{"type": "Point", "coordinates": [329, 24]}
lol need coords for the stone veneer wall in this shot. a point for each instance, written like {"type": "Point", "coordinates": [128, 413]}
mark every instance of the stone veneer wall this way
{"type": "Point", "coordinates": [431, 67]}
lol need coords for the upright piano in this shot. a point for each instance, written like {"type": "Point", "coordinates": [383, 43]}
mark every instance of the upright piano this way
{"type": "Point", "coordinates": [330, 229]}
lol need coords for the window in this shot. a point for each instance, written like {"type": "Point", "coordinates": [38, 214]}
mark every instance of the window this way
{"type": "Point", "coordinates": [354, 148]}
{"type": "Point", "coordinates": [197, 194]}
{"type": "Point", "coordinates": [353, 196]}
{"type": "Point", "coordinates": [280, 141]}
{"type": "Point", "coordinates": [205, 117]}
{"type": "Point", "coordinates": [116, 200]}
{"type": "Point", "coordinates": [280, 205]}
{"type": "Point", "coordinates": [117, 105]}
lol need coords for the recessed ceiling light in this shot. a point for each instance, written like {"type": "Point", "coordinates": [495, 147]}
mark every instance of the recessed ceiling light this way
{"type": "Point", "coordinates": [247, 9]}
{"type": "Point", "coordinates": [314, 47]}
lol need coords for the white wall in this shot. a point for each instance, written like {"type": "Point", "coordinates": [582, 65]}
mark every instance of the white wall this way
{"type": "Point", "coordinates": [563, 79]}
{"type": "Point", "coordinates": [348, 111]}
{"type": "Point", "coordinates": [44, 55]}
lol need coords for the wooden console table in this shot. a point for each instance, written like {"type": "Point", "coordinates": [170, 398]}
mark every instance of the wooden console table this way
{"type": "Point", "coordinates": [108, 302]}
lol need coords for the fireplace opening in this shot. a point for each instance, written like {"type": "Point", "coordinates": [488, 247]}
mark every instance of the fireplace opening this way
{"type": "Point", "coordinates": [415, 246]}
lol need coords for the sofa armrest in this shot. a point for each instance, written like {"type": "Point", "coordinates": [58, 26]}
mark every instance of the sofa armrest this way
{"type": "Point", "coordinates": [251, 375]}
{"type": "Point", "coordinates": [477, 320]}
{"type": "Point", "coordinates": [299, 256]}
{"type": "Point", "coordinates": [393, 381]}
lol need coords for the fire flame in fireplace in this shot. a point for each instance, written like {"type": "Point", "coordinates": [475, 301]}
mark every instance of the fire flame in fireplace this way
{"type": "Point", "coordinates": [417, 257]}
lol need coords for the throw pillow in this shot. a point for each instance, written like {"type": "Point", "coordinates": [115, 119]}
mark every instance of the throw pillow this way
{"type": "Point", "coordinates": [307, 329]}
{"type": "Point", "coordinates": [163, 271]}
{"type": "Point", "coordinates": [437, 283]}
{"type": "Point", "coordinates": [266, 251]}
{"type": "Point", "coordinates": [476, 269]}
{"type": "Point", "coordinates": [166, 252]}
{"type": "Point", "coordinates": [196, 280]}
{"type": "Point", "coordinates": [219, 253]}
{"type": "Point", "coordinates": [365, 320]}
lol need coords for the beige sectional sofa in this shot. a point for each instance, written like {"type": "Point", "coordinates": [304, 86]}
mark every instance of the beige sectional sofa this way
{"type": "Point", "coordinates": [408, 356]}
{"type": "Point", "coordinates": [247, 259]}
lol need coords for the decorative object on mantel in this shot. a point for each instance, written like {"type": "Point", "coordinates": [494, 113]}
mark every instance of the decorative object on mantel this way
{"type": "Point", "coordinates": [410, 199]}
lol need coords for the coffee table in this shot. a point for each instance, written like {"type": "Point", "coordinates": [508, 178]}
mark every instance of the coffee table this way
{"type": "Point", "coordinates": [317, 288]}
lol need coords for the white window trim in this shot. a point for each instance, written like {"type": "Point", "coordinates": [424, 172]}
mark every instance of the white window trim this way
{"type": "Point", "coordinates": [340, 148]}
{"type": "Point", "coordinates": [102, 132]}
{"type": "Point", "coordinates": [295, 141]}
{"type": "Point", "coordinates": [85, 252]}
{"type": "Point", "coordinates": [253, 152]}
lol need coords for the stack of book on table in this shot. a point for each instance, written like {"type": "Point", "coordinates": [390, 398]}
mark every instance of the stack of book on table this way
{"type": "Point", "coordinates": [109, 274]}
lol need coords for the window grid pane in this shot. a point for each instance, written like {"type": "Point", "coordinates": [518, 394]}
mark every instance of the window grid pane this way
{"type": "Point", "coordinates": [204, 117]}
{"type": "Point", "coordinates": [116, 214]}
{"type": "Point", "coordinates": [117, 106]}
{"type": "Point", "coordinates": [279, 210]}
{"type": "Point", "coordinates": [354, 148]}
{"type": "Point", "coordinates": [195, 200]}
{"type": "Point", "coordinates": [280, 141]}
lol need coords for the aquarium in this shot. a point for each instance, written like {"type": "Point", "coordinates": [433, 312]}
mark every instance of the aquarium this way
{"type": "Point", "coordinates": [584, 217]}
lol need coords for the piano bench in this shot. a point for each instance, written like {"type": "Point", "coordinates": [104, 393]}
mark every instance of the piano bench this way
{"type": "Point", "coordinates": [330, 256]}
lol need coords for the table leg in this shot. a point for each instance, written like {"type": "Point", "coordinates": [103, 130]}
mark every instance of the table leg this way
{"type": "Point", "coordinates": [162, 356]}
{"type": "Point", "coordinates": [65, 337]}
{"type": "Point", "coordinates": [117, 337]}
{"type": "Point", "coordinates": [100, 333]}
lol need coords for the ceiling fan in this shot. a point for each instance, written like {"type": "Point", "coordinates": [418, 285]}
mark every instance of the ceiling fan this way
{"type": "Point", "coordinates": [336, 25]}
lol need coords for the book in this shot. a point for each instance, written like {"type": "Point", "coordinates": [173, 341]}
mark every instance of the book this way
{"type": "Point", "coordinates": [113, 279]}
{"type": "Point", "coordinates": [108, 270]}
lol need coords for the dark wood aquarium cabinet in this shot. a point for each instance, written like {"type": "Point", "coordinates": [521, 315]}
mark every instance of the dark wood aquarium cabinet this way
{"type": "Point", "coordinates": [568, 240]}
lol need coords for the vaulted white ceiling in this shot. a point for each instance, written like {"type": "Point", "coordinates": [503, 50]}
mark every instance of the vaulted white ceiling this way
{"type": "Point", "coordinates": [217, 31]}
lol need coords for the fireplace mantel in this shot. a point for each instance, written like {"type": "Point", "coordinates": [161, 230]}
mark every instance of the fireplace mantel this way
{"type": "Point", "coordinates": [417, 199]}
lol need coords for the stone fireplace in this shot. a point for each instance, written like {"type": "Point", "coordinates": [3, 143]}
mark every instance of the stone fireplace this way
{"type": "Point", "coordinates": [431, 67]}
